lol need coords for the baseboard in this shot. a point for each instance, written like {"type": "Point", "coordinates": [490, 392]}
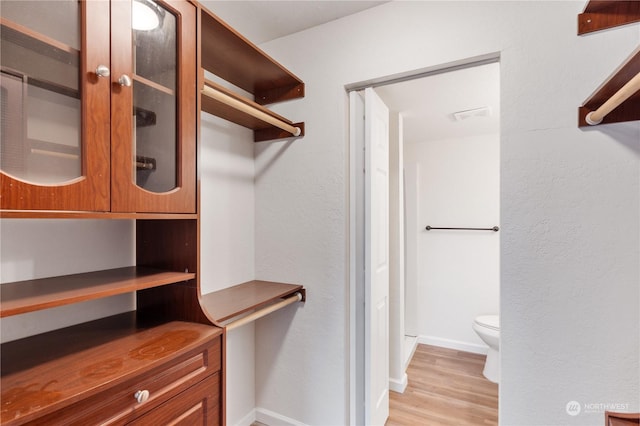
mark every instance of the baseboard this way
{"type": "Point", "coordinates": [274, 419]}
{"type": "Point", "coordinates": [409, 353]}
{"type": "Point", "coordinates": [398, 385]}
{"type": "Point", "coordinates": [248, 419]}
{"type": "Point", "coordinates": [453, 344]}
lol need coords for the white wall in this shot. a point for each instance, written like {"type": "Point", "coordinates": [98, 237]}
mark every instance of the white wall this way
{"type": "Point", "coordinates": [569, 285]}
{"type": "Point", "coordinates": [458, 271]}
{"type": "Point", "coordinates": [227, 244]}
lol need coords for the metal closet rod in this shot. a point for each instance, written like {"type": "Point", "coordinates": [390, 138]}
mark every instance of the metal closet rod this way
{"type": "Point", "coordinates": [264, 311]}
{"type": "Point", "coordinates": [494, 229]}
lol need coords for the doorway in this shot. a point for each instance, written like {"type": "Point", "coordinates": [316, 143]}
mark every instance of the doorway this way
{"type": "Point", "coordinates": [436, 116]}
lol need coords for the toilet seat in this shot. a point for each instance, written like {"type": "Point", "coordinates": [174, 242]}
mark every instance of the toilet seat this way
{"type": "Point", "coordinates": [489, 321]}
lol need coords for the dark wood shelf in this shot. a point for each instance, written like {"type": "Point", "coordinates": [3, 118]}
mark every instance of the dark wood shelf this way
{"type": "Point", "coordinates": [262, 129]}
{"type": "Point", "coordinates": [63, 214]}
{"type": "Point", "coordinates": [225, 304]}
{"type": "Point", "coordinates": [50, 371]}
{"type": "Point", "coordinates": [230, 56]}
{"type": "Point", "coordinates": [599, 15]}
{"type": "Point", "coordinates": [629, 110]}
{"type": "Point", "coordinates": [32, 295]}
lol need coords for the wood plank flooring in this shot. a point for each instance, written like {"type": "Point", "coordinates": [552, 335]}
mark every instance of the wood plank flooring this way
{"type": "Point", "coordinates": [446, 388]}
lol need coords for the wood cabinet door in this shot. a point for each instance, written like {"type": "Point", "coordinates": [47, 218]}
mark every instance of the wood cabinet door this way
{"type": "Point", "coordinates": [55, 107]}
{"type": "Point", "coordinates": [153, 107]}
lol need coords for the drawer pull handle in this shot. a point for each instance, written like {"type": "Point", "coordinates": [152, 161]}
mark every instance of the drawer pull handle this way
{"type": "Point", "coordinates": [141, 396]}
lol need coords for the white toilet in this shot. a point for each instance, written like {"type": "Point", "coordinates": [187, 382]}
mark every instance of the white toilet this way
{"type": "Point", "coordinates": [488, 328]}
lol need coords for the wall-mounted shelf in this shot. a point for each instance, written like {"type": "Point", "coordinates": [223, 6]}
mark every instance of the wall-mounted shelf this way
{"type": "Point", "coordinates": [265, 123]}
{"type": "Point", "coordinates": [32, 295]}
{"type": "Point", "coordinates": [600, 15]}
{"type": "Point", "coordinates": [231, 302]}
{"type": "Point", "coordinates": [629, 110]}
{"type": "Point", "coordinates": [233, 58]}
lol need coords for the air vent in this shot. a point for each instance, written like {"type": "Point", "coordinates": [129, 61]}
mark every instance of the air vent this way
{"type": "Point", "coordinates": [476, 112]}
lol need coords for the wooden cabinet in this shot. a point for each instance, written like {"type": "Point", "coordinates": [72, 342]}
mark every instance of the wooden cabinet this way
{"type": "Point", "coordinates": [113, 371]}
{"type": "Point", "coordinates": [99, 114]}
{"type": "Point", "coordinates": [99, 121]}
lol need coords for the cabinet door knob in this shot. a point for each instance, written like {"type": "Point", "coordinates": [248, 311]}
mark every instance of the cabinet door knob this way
{"type": "Point", "coordinates": [124, 80]}
{"type": "Point", "coordinates": [103, 71]}
{"type": "Point", "coordinates": [141, 396]}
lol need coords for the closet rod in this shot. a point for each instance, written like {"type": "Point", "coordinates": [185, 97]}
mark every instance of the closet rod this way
{"type": "Point", "coordinates": [494, 229]}
{"type": "Point", "coordinates": [247, 109]}
{"type": "Point", "coordinates": [625, 92]}
{"type": "Point", "coordinates": [264, 311]}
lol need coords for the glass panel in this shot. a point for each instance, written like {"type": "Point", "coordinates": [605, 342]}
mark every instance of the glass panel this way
{"type": "Point", "coordinates": [154, 96]}
{"type": "Point", "coordinates": [154, 138]}
{"type": "Point", "coordinates": [40, 130]}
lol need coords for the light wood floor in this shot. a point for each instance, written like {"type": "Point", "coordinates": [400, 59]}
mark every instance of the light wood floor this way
{"type": "Point", "coordinates": [446, 387]}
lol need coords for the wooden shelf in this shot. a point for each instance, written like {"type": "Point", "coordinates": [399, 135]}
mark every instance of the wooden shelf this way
{"type": "Point", "coordinates": [629, 110]}
{"type": "Point", "coordinates": [600, 15]}
{"type": "Point", "coordinates": [63, 214]}
{"type": "Point", "coordinates": [225, 304]}
{"type": "Point", "coordinates": [39, 43]}
{"type": "Point", "coordinates": [262, 129]}
{"type": "Point", "coordinates": [230, 56]}
{"type": "Point", "coordinates": [51, 371]}
{"type": "Point", "coordinates": [32, 295]}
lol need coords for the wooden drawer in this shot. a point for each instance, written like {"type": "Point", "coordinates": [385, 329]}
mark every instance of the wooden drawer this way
{"type": "Point", "coordinates": [118, 406]}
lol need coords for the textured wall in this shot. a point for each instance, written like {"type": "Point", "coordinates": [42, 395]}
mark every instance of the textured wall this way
{"type": "Point", "coordinates": [569, 286]}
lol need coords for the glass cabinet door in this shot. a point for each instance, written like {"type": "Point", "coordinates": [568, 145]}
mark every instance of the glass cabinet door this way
{"type": "Point", "coordinates": [51, 157]}
{"type": "Point", "coordinates": [153, 146]}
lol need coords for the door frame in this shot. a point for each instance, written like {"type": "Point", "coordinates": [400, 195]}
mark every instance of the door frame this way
{"type": "Point", "coordinates": [355, 224]}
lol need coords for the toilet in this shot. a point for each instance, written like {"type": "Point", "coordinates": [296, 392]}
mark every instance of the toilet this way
{"type": "Point", "coordinates": [488, 328]}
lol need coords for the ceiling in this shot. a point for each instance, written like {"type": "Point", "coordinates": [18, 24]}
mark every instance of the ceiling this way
{"type": "Point", "coordinates": [427, 104]}
{"type": "Point", "coordinates": [262, 21]}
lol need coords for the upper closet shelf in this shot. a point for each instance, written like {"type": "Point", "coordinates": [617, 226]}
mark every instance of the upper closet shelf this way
{"type": "Point", "coordinates": [233, 58]}
{"type": "Point", "coordinates": [599, 15]}
{"type": "Point", "coordinates": [617, 99]}
{"type": "Point", "coordinates": [266, 124]}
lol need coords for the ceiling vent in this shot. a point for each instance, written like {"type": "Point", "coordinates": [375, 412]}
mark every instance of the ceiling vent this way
{"type": "Point", "coordinates": [476, 112]}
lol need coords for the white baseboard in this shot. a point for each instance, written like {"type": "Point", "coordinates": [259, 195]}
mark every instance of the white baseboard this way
{"type": "Point", "coordinates": [398, 385]}
{"type": "Point", "coordinates": [248, 419]}
{"type": "Point", "coordinates": [274, 419]}
{"type": "Point", "coordinates": [453, 344]}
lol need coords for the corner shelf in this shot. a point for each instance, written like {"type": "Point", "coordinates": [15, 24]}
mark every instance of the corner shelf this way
{"type": "Point", "coordinates": [600, 15]}
{"type": "Point", "coordinates": [227, 54]}
{"type": "Point", "coordinates": [32, 295]}
{"type": "Point", "coordinates": [231, 302]}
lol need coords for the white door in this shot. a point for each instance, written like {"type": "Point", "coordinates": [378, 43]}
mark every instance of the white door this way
{"type": "Point", "coordinates": [376, 262]}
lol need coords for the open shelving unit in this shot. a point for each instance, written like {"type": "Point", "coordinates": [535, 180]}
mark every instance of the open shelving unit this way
{"type": "Point", "coordinates": [599, 15]}
{"type": "Point", "coordinates": [228, 55]}
{"type": "Point", "coordinates": [31, 295]}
